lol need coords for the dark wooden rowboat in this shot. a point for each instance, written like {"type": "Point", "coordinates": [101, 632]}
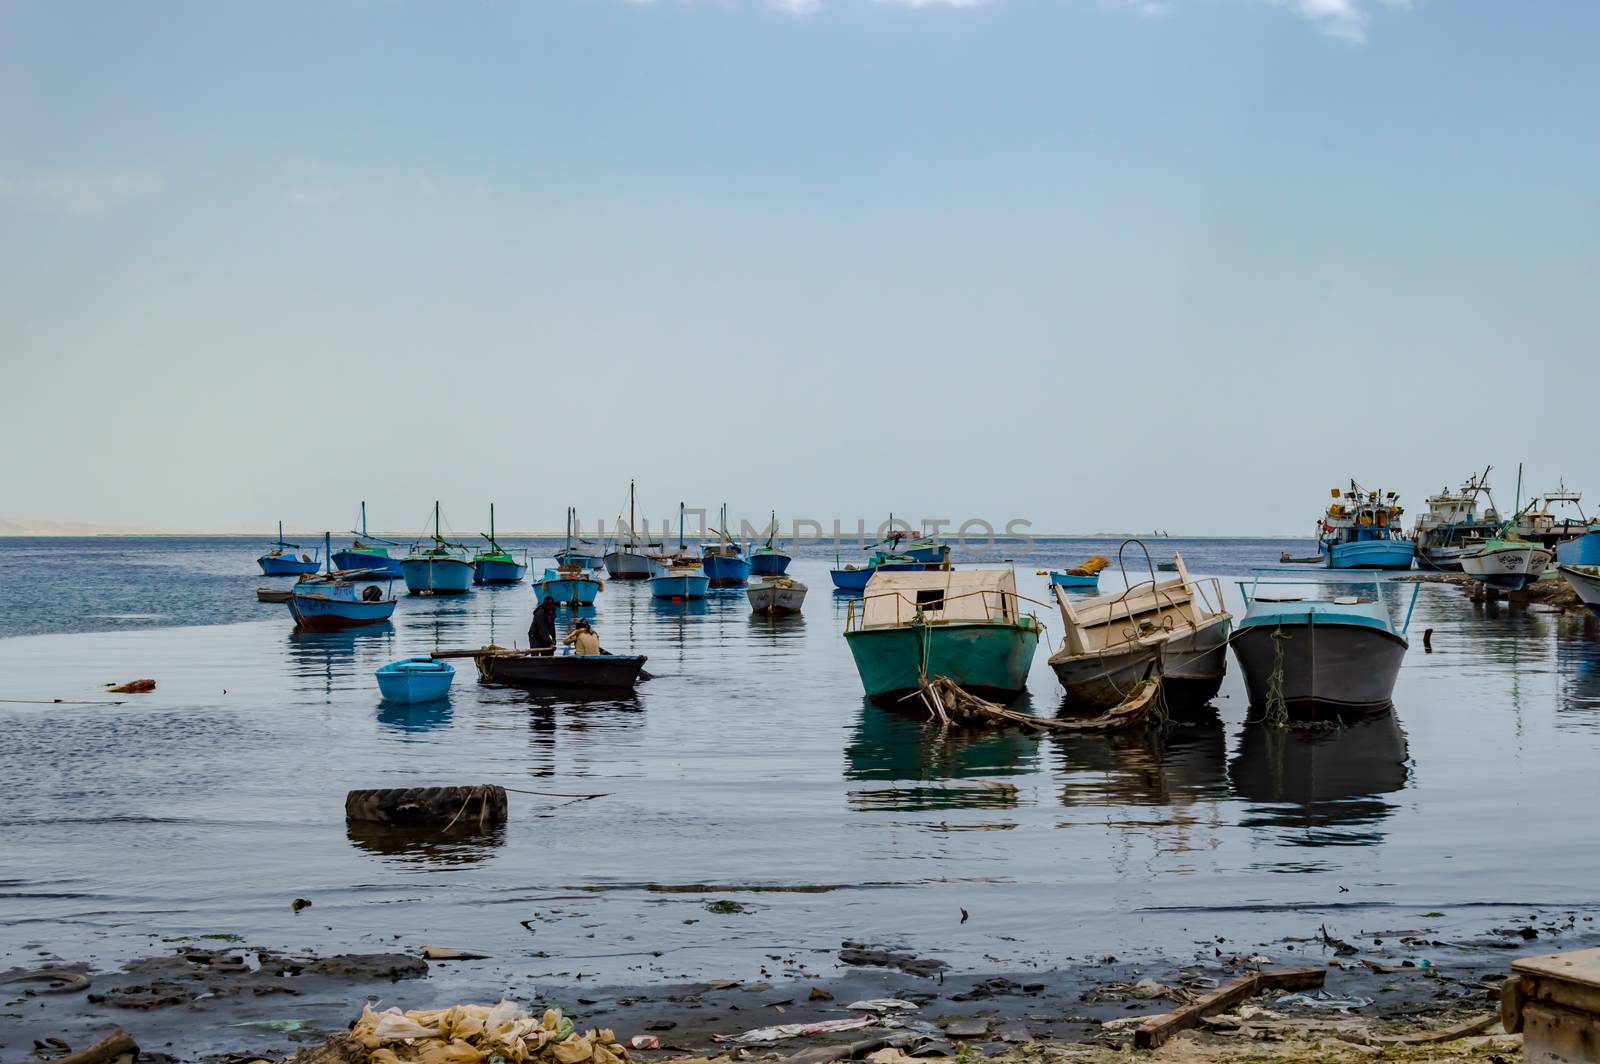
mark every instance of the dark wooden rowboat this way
{"type": "Point", "coordinates": [525, 668]}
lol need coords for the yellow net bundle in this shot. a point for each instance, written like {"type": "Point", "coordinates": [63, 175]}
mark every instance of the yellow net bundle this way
{"type": "Point", "coordinates": [1090, 567]}
{"type": "Point", "coordinates": [470, 1034]}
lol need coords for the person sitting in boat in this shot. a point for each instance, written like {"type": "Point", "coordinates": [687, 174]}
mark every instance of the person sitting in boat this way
{"type": "Point", "coordinates": [584, 638]}
{"type": "Point", "coordinates": [542, 632]}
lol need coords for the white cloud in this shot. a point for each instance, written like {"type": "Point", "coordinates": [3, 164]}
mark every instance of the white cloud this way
{"type": "Point", "coordinates": [81, 192]}
{"type": "Point", "coordinates": [314, 197]}
{"type": "Point", "coordinates": [1344, 19]}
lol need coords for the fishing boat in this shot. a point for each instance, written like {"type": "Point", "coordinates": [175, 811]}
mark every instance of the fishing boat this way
{"type": "Point", "coordinates": [331, 602]}
{"type": "Point", "coordinates": [538, 669]}
{"type": "Point", "coordinates": [570, 585]}
{"type": "Point", "coordinates": [683, 577]}
{"type": "Point", "coordinates": [1452, 520]}
{"type": "Point", "coordinates": [633, 557]}
{"type": "Point", "coordinates": [1085, 577]}
{"type": "Point", "coordinates": [1363, 531]}
{"type": "Point", "coordinates": [1575, 540]}
{"type": "Point", "coordinates": [368, 556]}
{"type": "Point", "coordinates": [496, 565]}
{"type": "Point", "coordinates": [281, 560]}
{"type": "Point", "coordinates": [769, 559]}
{"type": "Point", "coordinates": [1506, 561]}
{"type": "Point", "coordinates": [577, 555]}
{"type": "Point", "coordinates": [925, 549]}
{"type": "Point", "coordinates": [274, 594]}
{"type": "Point", "coordinates": [1321, 648]}
{"type": "Point", "coordinates": [724, 560]}
{"type": "Point", "coordinates": [776, 595]}
{"type": "Point", "coordinates": [439, 569]}
{"type": "Point", "coordinates": [855, 577]}
{"type": "Point", "coordinates": [1585, 580]}
{"type": "Point", "coordinates": [1174, 630]}
{"type": "Point", "coordinates": [967, 627]}
{"type": "Point", "coordinates": [415, 680]}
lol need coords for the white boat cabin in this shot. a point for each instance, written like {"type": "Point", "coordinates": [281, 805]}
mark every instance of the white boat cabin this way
{"type": "Point", "coordinates": [1159, 609]}
{"type": "Point", "coordinates": [947, 596]}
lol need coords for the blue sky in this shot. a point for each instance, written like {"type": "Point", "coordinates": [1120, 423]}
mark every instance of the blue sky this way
{"type": "Point", "coordinates": [1096, 264]}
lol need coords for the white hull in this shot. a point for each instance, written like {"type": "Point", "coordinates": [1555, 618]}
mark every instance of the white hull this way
{"type": "Point", "coordinates": [1514, 566]}
{"type": "Point", "coordinates": [776, 596]}
{"type": "Point", "coordinates": [631, 565]}
{"type": "Point", "coordinates": [1585, 580]}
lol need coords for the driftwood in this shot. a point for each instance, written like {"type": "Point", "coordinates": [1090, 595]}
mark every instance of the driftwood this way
{"type": "Point", "coordinates": [116, 1044]}
{"type": "Point", "coordinates": [1464, 1029]}
{"type": "Point", "coordinates": [950, 704]}
{"type": "Point", "coordinates": [132, 687]}
{"type": "Point", "coordinates": [482, 805]}
{"type": "Point", "coordinates": [1157, 1029]}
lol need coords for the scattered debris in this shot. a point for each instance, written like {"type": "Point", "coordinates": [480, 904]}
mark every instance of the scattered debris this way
{"type": "Point", "coordinates": [132, 687]}
{"type": "Point", "coordinates": [300, 903]}
{"type": "Point", "coordinates": [786, 1031]}
{"type": "Point", "coordinates": [441, 953]}
{"type": "Point", "coordinates": [724, 907]}
{"type": "Point", "coordinates": [858, 954]}
{"type": "Point", "coordinates": [1157, 1029]}
{"type": "Point", "coordinates": [882, 1005]}
{"type": "Point", "coordinates": [465, 1034]}
{"type": "Point", "coordinates": [819, 994]}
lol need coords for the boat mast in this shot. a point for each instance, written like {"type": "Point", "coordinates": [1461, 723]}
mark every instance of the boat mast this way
{"type": "Point", "coordinates": [633, 537]}
{"type": "Point", "coordinates": [327, 551]}
{"type": "Point", "coordinates": [680, 530]}
{"type": "Point", "coordinates": [363, 518]}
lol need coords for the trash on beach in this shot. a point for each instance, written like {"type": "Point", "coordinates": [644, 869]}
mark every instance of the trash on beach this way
{"type": "Point", "coordinates": [644, 1041]}
{"type": "Point", "coordinates": [882, 1005]}
{"type": "Point", "coordinates": [1324, 1000]}
{"type": "Point", "coordinates": [132, 687]}
{"type": "Point", "coordinates": [443, 953]}
{"type": "Point", "coordinates": [1153, 1031]}
{"type": "Point", "coordinates": [785, 1031]}
{"type": "Point", "coordinates": [468, 1034]}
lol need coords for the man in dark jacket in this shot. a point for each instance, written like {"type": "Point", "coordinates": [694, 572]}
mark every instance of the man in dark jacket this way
{"type": "Point", "coordinates": [542, 632]}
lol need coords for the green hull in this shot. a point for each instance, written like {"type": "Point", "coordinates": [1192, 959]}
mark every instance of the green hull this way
{"type": "Point", "coordinates": [990, 660]}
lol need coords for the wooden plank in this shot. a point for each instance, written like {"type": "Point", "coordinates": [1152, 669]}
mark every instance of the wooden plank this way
{"type": "Point", "coordinates": [1580, 966]}
{"type": "Point", "coordinates": [1157, 1029]}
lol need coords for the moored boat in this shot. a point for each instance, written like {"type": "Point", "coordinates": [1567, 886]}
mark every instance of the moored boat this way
{"type": "Point", "coordinates": [1085, 577]}
{"type": "Point", "coordinates": [281, 559]}
{"type": "Point", "coordinates": [1585, 580]}
{"type": "Point", "coordinates": [1320, 653]}
{"type": "Point", "coordinates": [724, 560]}
{"type": "Point", "coordinates": [542, 669]}
{"type": "Point", "coordinates": [368, 556]}
{"type": "Point", "coordinates": [332, 602]}
{"type": "Point", "coordinates": [1363, 531]}
{"type": "Point", "coordinates": [776, 594]}
{"type": "Point", "coordinates": [1452, 520]}
{"type": "Point", "coordinates": [1506, 561]}
{"type": "Point", "coordinates": [496, 565]}
{"type": "Point", "coordinates": [274, 594]}
{"type": "Point", "coordinates": [769, 559]}
{"type": "Point", "coordinates": [1173, 630]}
{"type": "Point", "coordinates": [576, 551]}
{"type": "Point", "coordinates": [683, 577]}
{"type": "Point", "coordinates": [440, 569]}
{"type": "Point", "coordinates": [634, 557]}
{"type": "Point", "coordinates": [967, 627]}
{"type": "Point", "coordinates": [570, 585]}
{"type": "Point", "coordinates": [419, 679]}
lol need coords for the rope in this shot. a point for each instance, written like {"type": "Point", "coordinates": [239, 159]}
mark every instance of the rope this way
{"type": "Point", "coordinates": [1277, 715]}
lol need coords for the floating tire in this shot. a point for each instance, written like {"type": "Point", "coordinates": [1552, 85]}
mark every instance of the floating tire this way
{"type": "Point", "coordinates": [429, 806]}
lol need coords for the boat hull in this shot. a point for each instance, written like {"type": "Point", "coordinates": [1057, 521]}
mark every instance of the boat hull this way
{"type": "Point", "coordinates": [630, 565]}
{"type": "Point", "coordinates": [1581, 550]}
{"type": "Point", "coordinates": [1585, 580]}
{"type": "Point", "coordinates": [1328, 666]}
{"type": "Point", "coordinates": [850, 579]}
{"type": "Point", "coordinates": [1372, 554]}
{"type": "Point", "coordinates": [724, 571]}
{"type": "Point", "coordinates": [437, 576]}
{"type": "Point", "coordinates": [773, 596]}
{"type": "Point", "coordinates": [1440, 559]}
{"type": "Point", "coordinates": [679, 586]}
{"type": "Point", "coordinates": [988, 660]}
{"type": "Point", "coordinates": [1509, 568]}
{"type": "Point", "coordinates": [422, 680]}
{"type": "Point", "coordinates": [316, 613]}
{"type": "Point", "coordinates": [771, 563]}
{"type": "Point", "coordinates": [1072, 582]}
{"type": "Point", "coordinates": [285, 566]}
{"type": "Point", "coordinates": [580, 559]}
{"type": "Point", "coordinates": [567, 591]}
{"type": "Point", "coordinates": [934, 554]}
{"type": "Point", "coordinates": [371, 566]}
{"type": "Point", "coordinates": [488, 571]}
{"type": "Point", "coordinates": [1192, 665]}
{"type": "Point", "coordinates": [601, 672]}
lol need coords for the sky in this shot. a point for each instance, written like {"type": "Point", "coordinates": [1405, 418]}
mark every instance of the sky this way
{"type": "Point", "coordinates": [1091, 264]}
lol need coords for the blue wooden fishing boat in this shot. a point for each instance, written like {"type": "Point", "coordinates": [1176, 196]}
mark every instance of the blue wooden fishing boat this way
{"type": "Point", "coordinates": [1085, 577]}
{"type": "Point", "coordinates": [768, 559]}
{"type": "Point", "coordinates": [332, 602]}
{"type": "Point", "coordinates": [368, 557]}
{"type": "Point", "coordinates": [1319, 649]}
{"type": "Point", "coordinates": [684, 577]}
{"type": "Point", "coordinates": [1363, 531]}
{"type": "Point", "coordinates": [281, 559]}
{"type": "Point", "coordinates": [577, 555]}
{"type": "Point", "coordinates": [439, 569]}
{"type": "Point", "coordinates": [495, 565]}
{"type": "Point", "coordinates": [724, 561]}
{"type": "Point", "coordinates": [568, 586]}
{"type": "Point", "coordinates": [415, 680]}
{"type": "Point", "coordinates": [855, 577]}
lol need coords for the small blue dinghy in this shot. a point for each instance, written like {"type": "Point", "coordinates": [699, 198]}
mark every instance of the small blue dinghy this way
{"type": "Point", "coordinates": [415, 680]}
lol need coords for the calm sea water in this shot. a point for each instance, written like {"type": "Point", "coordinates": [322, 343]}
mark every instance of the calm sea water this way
{"type": "Point", "coordinates": [750, 761]}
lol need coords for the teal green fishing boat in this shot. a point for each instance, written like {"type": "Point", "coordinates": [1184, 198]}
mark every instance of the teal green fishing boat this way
{"type": "Point", "coordinates": [965, 626]}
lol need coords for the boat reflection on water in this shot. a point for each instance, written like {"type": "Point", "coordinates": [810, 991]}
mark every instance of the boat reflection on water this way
{"type": "Point", "coordinates": [1182, 763]}
{"type": "Point", "coordinates": [424, 848]}
{"type": "Point", "coordinates": [415, 718]}
{"type": "Point", "coordinates": [1577, 653]}
{"type": "Point", "coordinates": [1321, 787]}
{"type": "Point", "coordinates": [559, 727]}
{"type": "Point", "coordinates": [900, 748]}
{"type": "Point", "coordinates": [343, 654]}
